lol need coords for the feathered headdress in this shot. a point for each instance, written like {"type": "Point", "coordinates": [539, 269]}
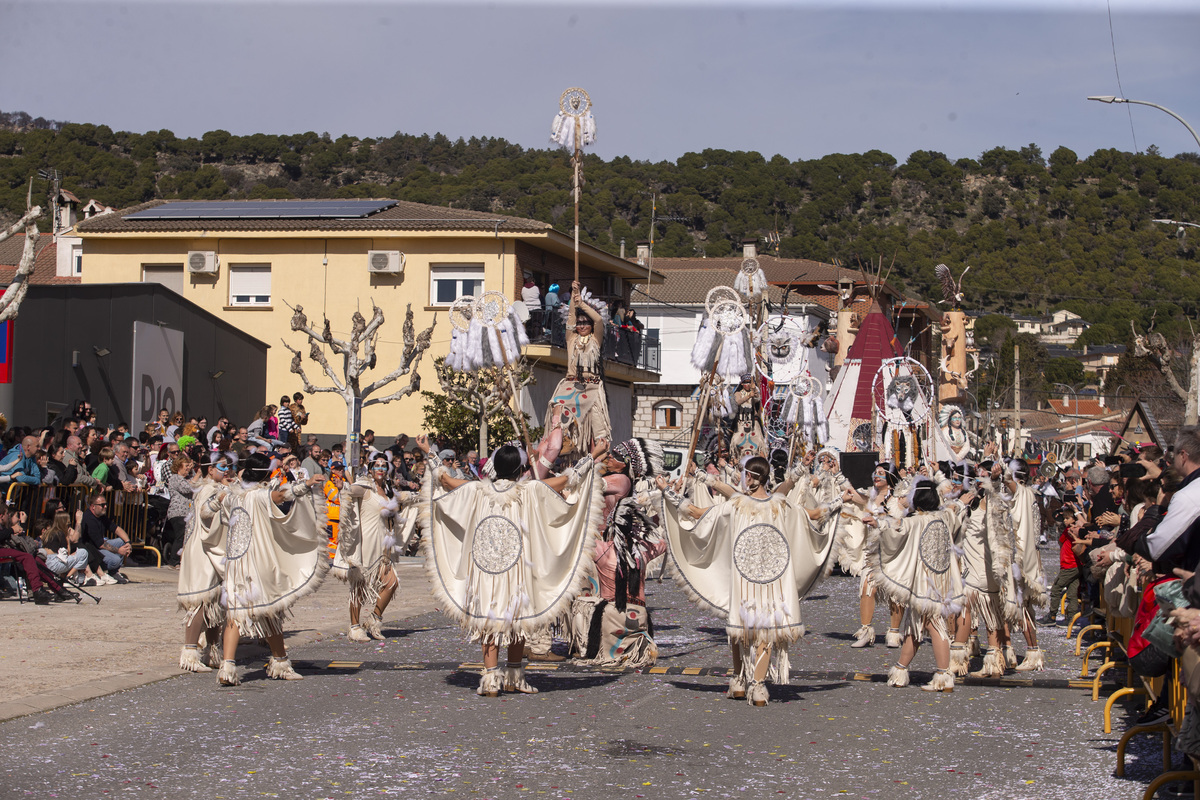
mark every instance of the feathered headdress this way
{"type": "Point", "coordinates": [644, 457]}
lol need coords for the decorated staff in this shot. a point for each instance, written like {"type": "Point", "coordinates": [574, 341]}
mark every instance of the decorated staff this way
{"type": "Point", "coordinates": [722, 350]}
{"type": "Point", "coordinates": [487, 334]}
{"type": "Point", "coordinates": [573, 128]}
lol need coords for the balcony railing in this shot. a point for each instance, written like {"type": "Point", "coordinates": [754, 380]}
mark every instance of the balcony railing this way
{"type": "Point", "coordinates": [626, 346]}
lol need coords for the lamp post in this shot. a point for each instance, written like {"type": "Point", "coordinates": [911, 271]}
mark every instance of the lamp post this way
{"type": "Point", "coordinates": [1075, 447]}
{"type": "Point", "coordinates": [1192, 409]}
{"type": "Point", "coordinates": [1108, 98]}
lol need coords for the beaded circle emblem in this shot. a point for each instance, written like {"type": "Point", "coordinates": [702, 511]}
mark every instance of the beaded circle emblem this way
{"type": "Point", "coordinates": [761, 553]}
{"type": "Point", "coordinates": [237, 542]}
{"type": "Point", "coordinates": [935, 546]}
{"type": "Point", "coordinates": [497, 545]}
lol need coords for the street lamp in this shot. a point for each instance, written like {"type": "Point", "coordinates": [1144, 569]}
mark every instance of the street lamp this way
{"type": "Point", "coordinates": [1108, 98]}
{"type": "Point", "coordinates": [1075, 448]}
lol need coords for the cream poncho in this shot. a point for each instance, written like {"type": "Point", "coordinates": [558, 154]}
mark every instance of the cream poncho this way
{"type": "Point", "coordinates": [202, 560]}
{"type": "Point", "coordinates": [1027, 573]}
{"type": "Point", "coordinates": [750, 561]}
{"type": "Point", "coordinates": [272, 558]}
{"type": "Point", "coordinates": [912, 562]}
{"type": "Point", "coordinates": [506, 558]}
{"type": "Point", "coordinates": [371, 533]}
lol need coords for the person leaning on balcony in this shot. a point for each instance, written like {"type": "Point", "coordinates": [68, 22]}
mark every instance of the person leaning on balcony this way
{"type": "Point", "coordinates": [19, 466]}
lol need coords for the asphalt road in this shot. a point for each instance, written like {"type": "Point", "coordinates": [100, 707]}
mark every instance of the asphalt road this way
{"type": "Point", "coordinates": [401, 717]}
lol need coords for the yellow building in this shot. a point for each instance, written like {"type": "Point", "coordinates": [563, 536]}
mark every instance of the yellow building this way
{"type": "Point", "coordinates": [249, 262]}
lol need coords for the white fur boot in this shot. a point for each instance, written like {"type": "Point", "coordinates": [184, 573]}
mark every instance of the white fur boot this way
{"type": "Point", "coordinates": [281, 669]}
{"type": "Point", "coordinates": [898, 676]}
{"type": "Point", "coordinates": [490, 682]}
{"type": "Point", "coordinates": [1010, 657]}
{"type": "Point", "coordinates": [864, 636]}
{"type": "Point", "coordinates": [959, 661]}
{"type": "Point", "coordinates": [228, 675]}
{"type": "Point", "coordinates": [893, 638]}
{"type": "Point", "coordinates": [189, 659]}
{"type": "Point", "coordinates": [514, 679]}
{"type": "Point", "coordinates": [358, 634]}
{"type": "Point", "coordinates": [373, 625]}
{"type": "Point", "coordinates": [1034, 661]}
{"type": "Point", "coordinates": [737, 687]}
{"type": "Point", "coordinates": [216, 655]}
{"type": "Point", "coordinates": [943, 681]}
{"type": "Point", "coordinates": [993, 665]}
{"type": "Point", "coordinates": [973, 645]}
{"type": "Point", "coordinates": [757, 694]}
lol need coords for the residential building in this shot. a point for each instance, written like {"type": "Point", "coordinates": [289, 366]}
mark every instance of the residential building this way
{"type": "Point", "coordinates": [1060, 327]}
{"type": "Point", "coordinates": [252, 262]}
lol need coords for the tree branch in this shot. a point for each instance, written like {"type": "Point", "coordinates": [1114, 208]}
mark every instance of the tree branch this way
{"type": "Point", "coordinates": [411, 360]}
{"type": "Point", "coordinates": [414, 385]}
{"type": "Point", "coordinates": [10, 301]}
{"type": "Point", "coordinates": [309, 386]}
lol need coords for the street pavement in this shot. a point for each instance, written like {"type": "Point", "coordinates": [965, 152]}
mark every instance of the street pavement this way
{"type": "Point", "coordinates": [401, 717]}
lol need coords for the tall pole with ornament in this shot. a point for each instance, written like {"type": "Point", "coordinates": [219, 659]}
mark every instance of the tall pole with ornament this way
{"type": "Point", "coordinates": [574, 128]}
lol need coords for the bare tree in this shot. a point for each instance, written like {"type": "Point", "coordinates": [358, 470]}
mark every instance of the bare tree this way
{"type": "Point", "coordinates": [10, 301]}
{"type": "Point", "coordinates": [1154, 348]}
{"type": "Point", "coordinates": [358, 356]}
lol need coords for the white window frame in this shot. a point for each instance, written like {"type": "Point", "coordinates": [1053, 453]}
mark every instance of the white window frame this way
{"type": "Point", "coordinates": [77, 260]}
{"type": "Point", "coordinates": [179, 267]}
{"type": "Point", "coordinates": [462, 274]}
{"type": "Point", "coordinates": [663, 405]}
{"type": "Point", "coordinates": [247, 299]}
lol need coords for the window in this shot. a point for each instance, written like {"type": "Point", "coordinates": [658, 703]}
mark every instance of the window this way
{"type": "Point", "coordinates": [77, 260]}
{"type": "Point", "coordinates": [667, 414]}
{"type": "Point", "coordinates": [249, 284]}
{"type": "Point", "coordinates": [448, 282]}
{"type": "Point", "coordinates": [168, 275]}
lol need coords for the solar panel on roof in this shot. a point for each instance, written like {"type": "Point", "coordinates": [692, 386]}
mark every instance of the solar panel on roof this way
{"type": "Point", "coordinates": [264, 209]}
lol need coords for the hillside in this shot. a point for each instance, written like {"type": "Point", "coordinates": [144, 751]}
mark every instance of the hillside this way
{"type": "Point", "coordinates": [1039, 233]}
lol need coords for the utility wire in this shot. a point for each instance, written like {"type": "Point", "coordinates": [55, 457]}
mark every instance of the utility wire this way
{"type": "Point", "coordinates": [1113, 37]}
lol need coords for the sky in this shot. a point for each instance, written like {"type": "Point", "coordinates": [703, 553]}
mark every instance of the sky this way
{"type": "Point", "coordinates": [801, 79]}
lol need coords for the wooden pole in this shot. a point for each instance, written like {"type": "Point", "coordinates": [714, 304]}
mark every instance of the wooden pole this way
{"type": "Point", "coordinates": [702, 407]}
{"type": "Point", "coordinates": [578, 159]}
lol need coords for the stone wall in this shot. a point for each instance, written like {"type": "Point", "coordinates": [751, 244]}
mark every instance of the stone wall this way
{"type": "Point", "coordinates": [646, 396]}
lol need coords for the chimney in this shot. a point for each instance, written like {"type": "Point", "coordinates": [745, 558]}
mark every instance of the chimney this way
{"type": "Point", "coordinates": [643, 252]}
{"type": "Point", "coordinates": [749, 248]}
{"type": "Point", "coordinates": [622, 247]}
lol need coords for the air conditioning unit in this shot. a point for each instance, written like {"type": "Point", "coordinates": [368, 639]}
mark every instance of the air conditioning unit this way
{"type": "Point", "coordinates": [202, 261]}
{"type": "Point", "coordinates": [390, 261]}
{"type": "Point", "coordinates": [614, 286]}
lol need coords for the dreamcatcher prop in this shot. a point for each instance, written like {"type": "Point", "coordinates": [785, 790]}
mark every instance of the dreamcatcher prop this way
{"type": "Point", "coordinates": [722, 352]}
{"type": "Point", "coordinates": [804, 413]}
{"type": "Point", "coordinates": [751, 281]}
{"type": "Point", "coordinates": [573, 128]}
{"type": "Point", "coordinates": [901, 392]}
{"type": "Point", "coordinates": [486, 332]}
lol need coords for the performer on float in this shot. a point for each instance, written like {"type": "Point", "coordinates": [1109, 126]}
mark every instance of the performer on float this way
{"type": "Point", "coordinates": [272, 559]}
{"type": "Point", "coordinates": [507, 557]}
{"type": "Point", "coordinates": [581, 393]}
{"type": "Point", "coordinates": [950, 418]}
{"type": "Point", "coordinates": [372, 534]}
{"type": "Point", "coordinates": [749, 560]}
{"type": "Point", "coordinates": [913, 564]}
{"type": "Point", "coordinates": [746, 438]}
{"type": "Point", "coordinates": [852, 551]}
{"type": "Point", "coordinates": [202, 568]}
{"type": "Point", "coordinates": [618, 629]}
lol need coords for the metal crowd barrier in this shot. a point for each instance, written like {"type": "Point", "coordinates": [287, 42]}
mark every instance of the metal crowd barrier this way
{"type": "Point", "coordinates": [130, 510]}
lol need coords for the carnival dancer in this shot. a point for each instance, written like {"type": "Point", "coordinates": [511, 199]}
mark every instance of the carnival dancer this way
{"type": "Point", "coordinates": [851, 552]}
{"type": "Point", "coordinates": [986, 557]}
{"type": "Point", "coordinates": [749, 560]}
{"type": "Point", "coordinates": [202, 567]}
{"type": "Point", "coordinates": [272, 559]}
{"type": "Point", "coordinates": [746, 437]}
{"type": "Point", "coordinates": [581, 393]}
{"type": "Point", "coordinates": [1027, 573]}
{"type": "Point", "coordinates": [614, 627]}
{"type": "Point", "coordinates": [507, 557]}
{"type": "Point", "coordinates": [912, 562]}
{"type": "Point", "coordinates": [372, 533]}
